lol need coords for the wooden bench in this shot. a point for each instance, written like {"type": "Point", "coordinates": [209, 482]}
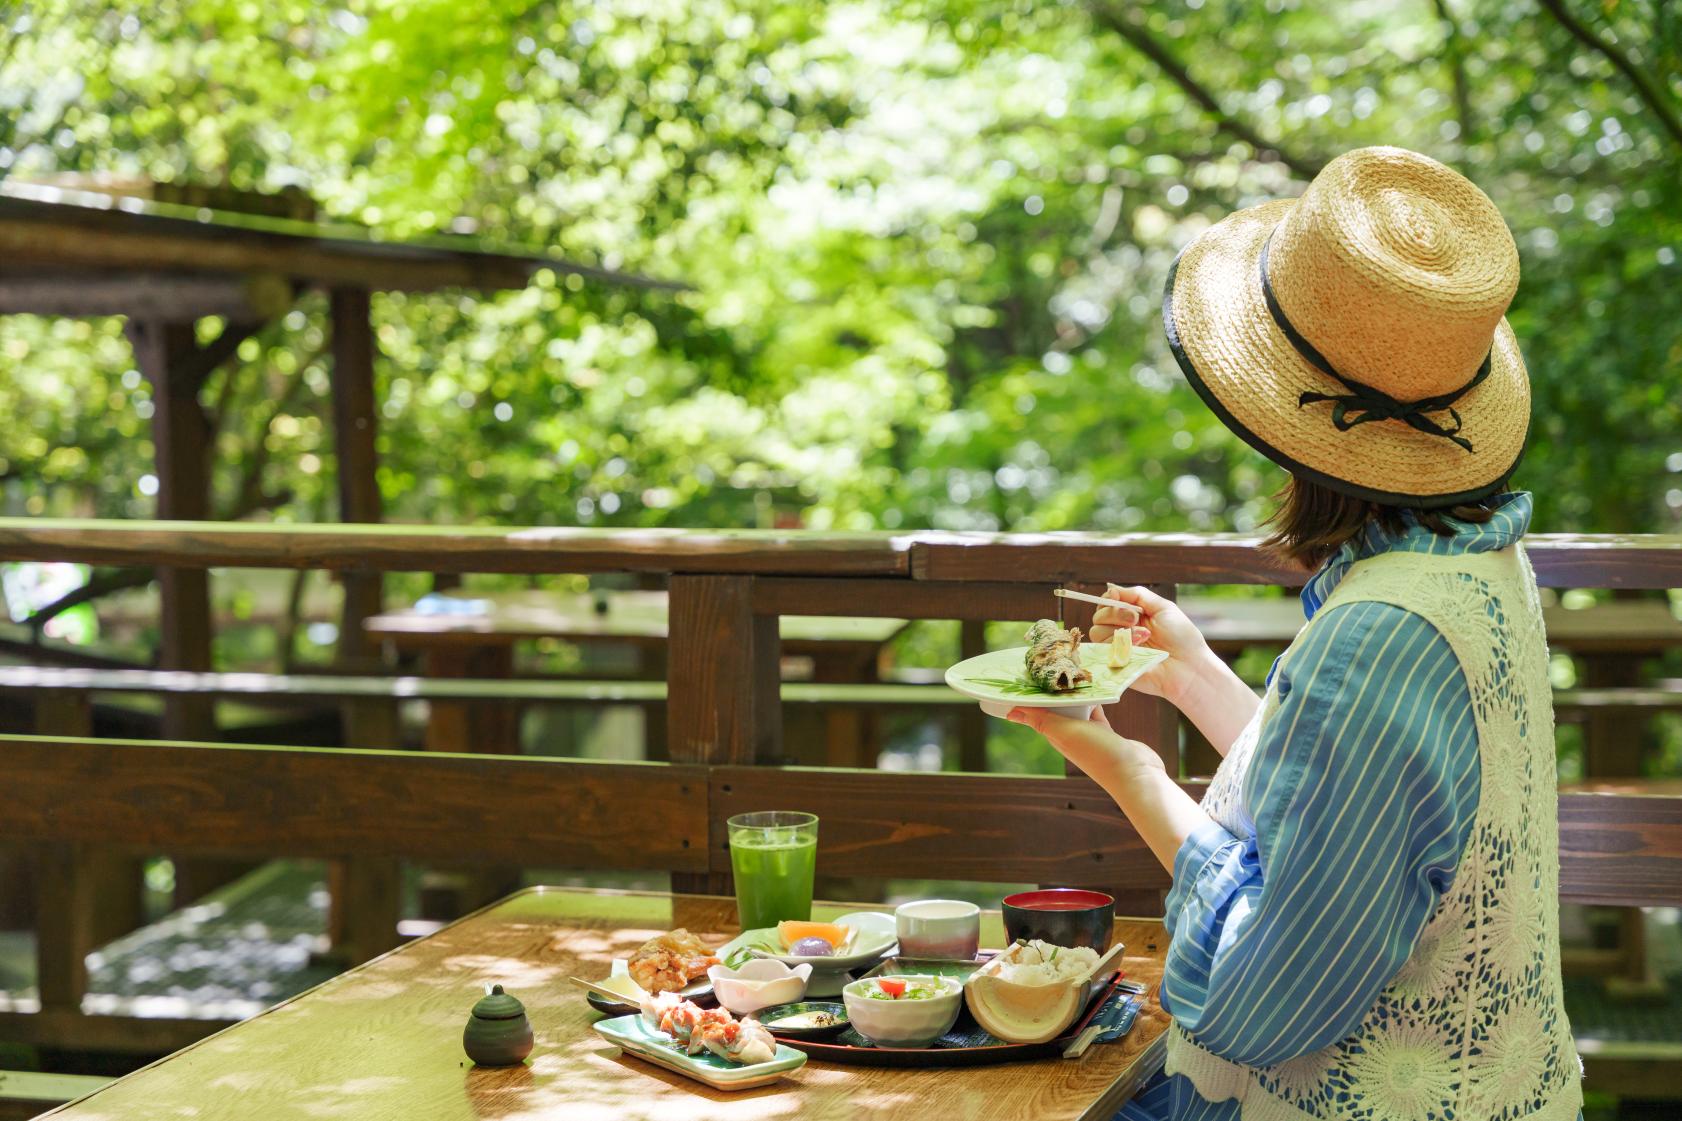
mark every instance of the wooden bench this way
{"type": "Point", "coordinates": [25, 1093]}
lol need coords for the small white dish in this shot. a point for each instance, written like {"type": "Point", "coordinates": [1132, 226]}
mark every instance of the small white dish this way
{"type": "Point", "coordinates": [904, 1023]}
{"type": "Point", "coordinates": [760, 983]}
{"type": "Point", "coordinates": [998, 679]}
{"type": "Point", "coordinates": [632, 1033]}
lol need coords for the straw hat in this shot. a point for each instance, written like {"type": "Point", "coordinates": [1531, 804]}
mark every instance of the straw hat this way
{"type": "Point", "coordinates": [1355, 335]}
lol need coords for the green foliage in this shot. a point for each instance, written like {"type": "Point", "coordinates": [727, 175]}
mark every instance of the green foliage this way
{"type": "Point", "coordinates": [926, 240]}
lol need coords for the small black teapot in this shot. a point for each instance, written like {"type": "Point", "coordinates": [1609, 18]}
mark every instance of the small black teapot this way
{"type": "Point", "coordinates": [498, 1033]}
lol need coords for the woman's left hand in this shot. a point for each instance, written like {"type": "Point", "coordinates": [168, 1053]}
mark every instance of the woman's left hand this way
{"type": "Point", "coordinates": [1092, 745]}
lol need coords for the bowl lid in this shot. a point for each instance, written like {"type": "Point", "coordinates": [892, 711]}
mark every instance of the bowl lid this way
{"type": "Point", "coordinates": [498, 1005]}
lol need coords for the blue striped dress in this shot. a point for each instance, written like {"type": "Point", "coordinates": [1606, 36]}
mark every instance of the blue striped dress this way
{"type": "Point", "coordinates": [1378, 681]}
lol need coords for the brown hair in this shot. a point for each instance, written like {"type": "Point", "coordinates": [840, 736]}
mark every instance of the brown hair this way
{"type": "Point", "coordinates": [1312, 522]}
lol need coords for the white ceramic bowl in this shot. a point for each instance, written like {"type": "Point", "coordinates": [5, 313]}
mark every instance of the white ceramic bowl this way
{"type": "Point", "coordinates": [758, 984]}
{"type": "Point", "coordinates": [939, 928]}
{"type": "Point", "coordinates": [904, 1023]}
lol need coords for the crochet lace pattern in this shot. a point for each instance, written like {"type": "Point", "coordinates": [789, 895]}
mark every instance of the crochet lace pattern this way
{"type": "Point", "coordinates": [1473, 1027]}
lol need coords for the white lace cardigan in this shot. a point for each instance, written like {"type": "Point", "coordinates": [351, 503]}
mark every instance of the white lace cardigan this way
{"type": "Point", "coordinates": [1473, 1028]}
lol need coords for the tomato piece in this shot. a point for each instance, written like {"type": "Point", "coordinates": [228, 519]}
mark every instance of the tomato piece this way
{"type": "Point", "coordinates": [893, 988]}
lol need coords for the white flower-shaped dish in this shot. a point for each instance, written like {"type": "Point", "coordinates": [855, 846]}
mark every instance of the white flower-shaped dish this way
{"type": "Point", "coordinates": [874, 935]}
{"type": "Point", "coordinates": [999, 680]}
{"type": "Point", "coordinates": [760, 983]}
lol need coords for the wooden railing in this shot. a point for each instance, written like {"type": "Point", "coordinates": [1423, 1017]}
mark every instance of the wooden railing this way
{"type": "Point", "coordinates": [71, 794]}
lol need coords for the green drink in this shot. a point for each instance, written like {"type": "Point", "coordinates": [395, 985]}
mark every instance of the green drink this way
{"type": "Point", "coordinates": [772, 855]}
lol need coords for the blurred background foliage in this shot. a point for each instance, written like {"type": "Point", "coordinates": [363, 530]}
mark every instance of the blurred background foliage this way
{"type": "Point", "coordinates": [926, 241]}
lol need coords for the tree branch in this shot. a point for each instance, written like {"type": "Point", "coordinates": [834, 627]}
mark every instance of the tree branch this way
{"type": "Point", "coordinates": [1130, 27]}
{"type": "Point", "coordinates": [1454, 47]}
{"type": "Point", "coordinates": [1657, 100]}
{"type": "Point", "coordinates": [99, 584]}
{"type": "Point", "coordinates": [249, 496]}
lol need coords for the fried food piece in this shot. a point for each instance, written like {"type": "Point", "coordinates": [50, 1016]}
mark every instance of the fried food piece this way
{"type": "Point", "coordinates": [669, 962]}
{"type": "Point", "coordinates": [1054, 658]}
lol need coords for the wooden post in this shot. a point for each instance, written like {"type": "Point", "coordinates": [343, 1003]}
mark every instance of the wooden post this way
{"type": "Point", "coordinates": [85, 897]}
{"type": "Point", "coordinates": [847, 733]}
{"type": "Point", "coordinates": [164, 351]}
{"type": "Point", "coordinates": [355, 426]}
{"type": "Point", "coordinates": [722, 701]}
{"type": "Point", "coordinates": [365, 891]}
{"type": "Point", "coordinates": [67, 910]}
{"type": "Point", "coordinates": [168, 354]}
{"type": "Point", "coordinates": [1614, 741]}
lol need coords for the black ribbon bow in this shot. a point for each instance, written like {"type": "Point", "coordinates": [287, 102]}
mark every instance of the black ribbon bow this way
{"type": "Point", "coordinates": [1364, 403]}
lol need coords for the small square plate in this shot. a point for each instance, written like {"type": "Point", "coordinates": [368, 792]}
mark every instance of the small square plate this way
{"type": "Point", "coordinates": [631, 1033]}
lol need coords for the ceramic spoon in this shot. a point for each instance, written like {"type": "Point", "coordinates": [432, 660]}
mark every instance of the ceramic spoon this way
{"type": "Point", "coordinates": [601, 991]}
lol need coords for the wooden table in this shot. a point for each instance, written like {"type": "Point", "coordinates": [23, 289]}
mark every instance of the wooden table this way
{"type": "Point", "coordinates": [464, 634]}
{"type": "Point", "coordinates": [384, 1040]}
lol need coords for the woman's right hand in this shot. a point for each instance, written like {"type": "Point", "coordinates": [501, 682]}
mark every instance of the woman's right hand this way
{"type": "Point", "coordinates": [1160, 625]}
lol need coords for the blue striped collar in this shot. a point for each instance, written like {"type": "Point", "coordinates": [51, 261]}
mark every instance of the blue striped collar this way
{"type": "Point", "coordinates": [1512, 518]}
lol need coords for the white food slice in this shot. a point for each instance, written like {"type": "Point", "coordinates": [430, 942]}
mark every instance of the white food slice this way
{"type": "Point", "coordinates": [1121, 648]}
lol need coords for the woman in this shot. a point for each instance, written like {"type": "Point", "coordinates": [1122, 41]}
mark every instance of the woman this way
{"type": "Point", "coordinates": [1364, 913]}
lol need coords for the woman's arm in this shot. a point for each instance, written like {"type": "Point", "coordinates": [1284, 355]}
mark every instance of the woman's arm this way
{"type": "Point", "coordinates": [1362, 790]}
{"type": "Point", "coordinates": [1130, 772]}
{"type": "Point", "coordinates": [1193, 679]}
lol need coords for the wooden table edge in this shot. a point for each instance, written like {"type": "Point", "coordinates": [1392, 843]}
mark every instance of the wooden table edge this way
{"type": "Point", "coordinates": [336, 978]}
{"type": "Point", "coordinates": [1149, 1061]}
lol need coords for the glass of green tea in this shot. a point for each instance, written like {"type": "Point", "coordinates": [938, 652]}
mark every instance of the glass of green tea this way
{"type": "Point", "coordinates": [772, 855]}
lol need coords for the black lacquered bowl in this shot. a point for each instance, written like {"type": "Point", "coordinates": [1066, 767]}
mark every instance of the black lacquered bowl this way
{"type": "Point", "coordinates": [1062, 916]}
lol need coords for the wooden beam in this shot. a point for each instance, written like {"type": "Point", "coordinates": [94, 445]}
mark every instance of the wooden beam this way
{"type": "Point", "coordinates": [1561, 560]}
{"type": "Point", "coordinates": [1616, 848]}
{"type": "Point", "coordinates": [61, 246]}
{"type": "Point", "coordinates": [234, 800]}
{"type": "Point", "coordinates": [923, 599]}
{"type": "Point", "coordinates": [44, 682]}
{"type": "Point", "coordinates": [1621, 846]}
{"type": "Point", "coordinates": [991, 828]}
{"type": "Point", "coordinates": [132, 1035]}
{"type": "Point", "coordinates": [144, 294]}
{"type": "Point", "coordinates": [389, 548]}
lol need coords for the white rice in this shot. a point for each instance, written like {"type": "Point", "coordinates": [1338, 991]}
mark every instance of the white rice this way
{"type": "Point", "coordinates": [1041, 963]}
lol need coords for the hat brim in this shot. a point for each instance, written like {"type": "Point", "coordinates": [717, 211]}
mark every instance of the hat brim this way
{"type": "Point", "coordinates": [1247, 372]}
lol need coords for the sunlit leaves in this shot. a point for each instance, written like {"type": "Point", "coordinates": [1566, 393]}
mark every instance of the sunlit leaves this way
{"type": "Point", "coordinates": [926, 242]}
